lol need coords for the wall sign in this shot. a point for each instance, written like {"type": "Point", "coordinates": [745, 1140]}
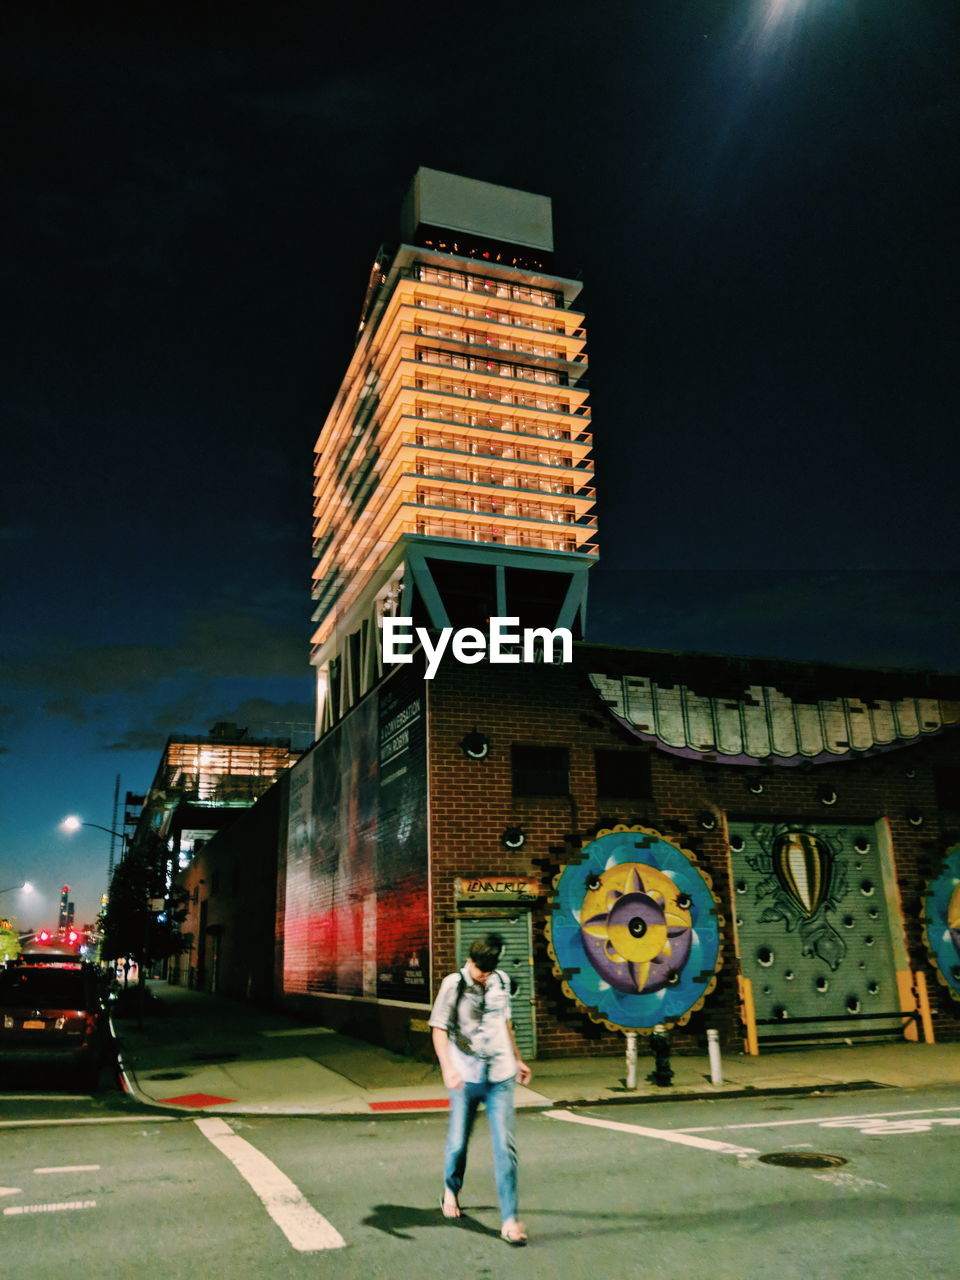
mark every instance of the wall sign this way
{"type": "Point", "coordinates": [495, 888]}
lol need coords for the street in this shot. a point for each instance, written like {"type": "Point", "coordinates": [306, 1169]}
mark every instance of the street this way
{"type": "Point", "coordinates": [672, 1190]}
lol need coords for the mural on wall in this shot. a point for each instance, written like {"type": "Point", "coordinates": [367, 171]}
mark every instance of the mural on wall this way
{"type": "Point", "coordinates": [356, 907]}
{"type": "Point", "coordinates": [815, 933]}
{"type": "Point", "coordinates": [634, 930]}
{"type": "Point", "coordinates": [942, 922]}
{"type": "Point", "coordinates": [804, 881]}
{"type": "Point", "coordinates": [764, 725]}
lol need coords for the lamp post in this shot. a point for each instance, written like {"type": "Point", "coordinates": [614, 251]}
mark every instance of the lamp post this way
{"type": "Point", "coordinates": [73, 823]}
{"type": "Point", "coordinates": [25, 885]}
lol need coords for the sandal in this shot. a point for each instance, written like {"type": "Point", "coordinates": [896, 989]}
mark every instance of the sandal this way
{"type": "Point", "coordinates": [445, 1208]}
{"type": "Point", "coordinates": [514, 1233]}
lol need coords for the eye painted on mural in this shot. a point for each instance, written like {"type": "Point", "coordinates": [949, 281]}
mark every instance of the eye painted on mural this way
{"type": "Point", "coordinates": [755, 788]}
{"type": "Point", "coordinates": [634, 930]}
{"type": "Point", "coordinates": [873, 988]}
{"type": "Point", "coordinates": [915, 817]}
{"type": "Point", "coordinates": [707, 821]}
{"type": "Point", "coordinates": [513, 838]}
{"type": "Point", "coordinates": [737, 844]}
{"type": "Point", "coordinates": [828, 796]}
{"type": "Point", "coordinates": [862, 844]}
{"type": "Point", "coordinates": [475, 746]}
{"type": "Point", "coordinates": [765, 957]}
{"type": "Point", "coordinates": [867, 888]}
{"type": "Point", "coordinates": [823, 985]}
{"type": "Point", "coordinates": [869, 940]}
{"type": "Point", "coordinates": [789, 975]}
{"type": "Point", "coordinates": [853, 1004]}
{"type": "Point", "coordinates": [781, 1013]}
{"type": "Point", "coordinates": [848, 922]}
{"type": "Point", "coordinates": [873, 913]}
{"type": "Point", "coordinates": [909, 773]}
{"type": "Point", "coordinates": [741, 886]}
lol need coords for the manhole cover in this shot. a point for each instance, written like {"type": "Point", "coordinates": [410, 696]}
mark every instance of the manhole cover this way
{"type": "Point", "coordinates": [168, 1075]}
{"type": "Point", "coordinates": [214, 1057]}
{"type": "Point", "coordinates": [802, 1160]}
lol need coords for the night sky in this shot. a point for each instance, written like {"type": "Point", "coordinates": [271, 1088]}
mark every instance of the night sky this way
{"type": "Point", "coordinates": [759, 194]}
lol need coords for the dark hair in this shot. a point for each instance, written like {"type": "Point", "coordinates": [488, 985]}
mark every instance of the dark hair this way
{"type": "Point", "coordinates": [485, 951]}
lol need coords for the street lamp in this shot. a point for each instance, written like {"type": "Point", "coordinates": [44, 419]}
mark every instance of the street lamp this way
{"type": "Point", "coordinates": [25, 885]}
{"type": "Point", "coordinates": [73, 823]}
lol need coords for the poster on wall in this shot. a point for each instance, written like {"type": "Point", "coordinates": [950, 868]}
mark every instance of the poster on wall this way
{"type": "Point", "coordinates": [356, 914]}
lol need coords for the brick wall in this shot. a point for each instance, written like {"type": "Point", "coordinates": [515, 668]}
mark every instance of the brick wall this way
{"type": "Point", "coordinates": [471, 802]}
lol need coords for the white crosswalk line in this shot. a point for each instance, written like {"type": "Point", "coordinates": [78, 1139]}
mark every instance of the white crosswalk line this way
{"type": "Point", "coordinates": [305, 1228]}
{"type": "Point", "coordinates": [663, 1135]}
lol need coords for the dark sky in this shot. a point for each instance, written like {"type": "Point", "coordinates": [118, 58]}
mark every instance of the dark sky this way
{"type": "Point", "coordinates": [760, 195]}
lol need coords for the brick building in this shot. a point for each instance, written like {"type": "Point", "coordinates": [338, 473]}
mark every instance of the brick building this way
{"type": "Point", "coordinates": [817, 802]}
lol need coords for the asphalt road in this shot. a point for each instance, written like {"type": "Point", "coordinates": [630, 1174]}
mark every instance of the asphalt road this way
{"type": "Point", "coordinates": [672, 1190]}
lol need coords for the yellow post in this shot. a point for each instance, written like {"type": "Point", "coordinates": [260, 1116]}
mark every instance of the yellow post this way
{"type": "Point", "coordinates": [749, 1015]}
{"type": "Point", "coordinates": [923, 1004]}
{"type": "Point", "coordinates": [908, 1003]}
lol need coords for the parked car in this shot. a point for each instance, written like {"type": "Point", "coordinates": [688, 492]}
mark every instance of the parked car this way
{"type": "Point", "coordinates": [51, 1011]}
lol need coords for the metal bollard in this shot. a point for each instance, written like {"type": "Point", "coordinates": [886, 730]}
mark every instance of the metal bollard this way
{"type": "Point", "coordinates": [662, 1073]}
{"type": "Point", "coordinates": [713, 1052]}
{"type": "Point", "coordinates": [631, 1059]}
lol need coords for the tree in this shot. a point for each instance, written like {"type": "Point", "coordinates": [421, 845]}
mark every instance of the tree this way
{"type": "Point", "coordinates": [133, 927]}
{"type": "Point", "coordinates": [9, 942]}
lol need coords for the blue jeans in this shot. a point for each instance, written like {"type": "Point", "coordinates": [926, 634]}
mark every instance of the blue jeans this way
{"type": "Point", "coordinates": [464, 1102]}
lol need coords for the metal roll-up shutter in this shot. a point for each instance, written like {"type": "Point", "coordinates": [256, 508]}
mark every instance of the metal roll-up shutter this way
{"type": "Point", "coordinates": [516, 961]}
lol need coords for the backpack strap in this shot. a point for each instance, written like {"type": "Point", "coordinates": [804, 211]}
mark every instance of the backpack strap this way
{"type": "Point", "coordinates": [453, 1022]}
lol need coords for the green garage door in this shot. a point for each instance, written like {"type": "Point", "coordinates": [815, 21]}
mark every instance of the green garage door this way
{"type": "Point", "coordinates": [516, 961]}
{"type": "Point", "coordinates": [814, 926]}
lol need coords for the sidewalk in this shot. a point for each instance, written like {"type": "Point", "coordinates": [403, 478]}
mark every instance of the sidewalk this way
{"type": "Point", "coordinates": [203, 1052]}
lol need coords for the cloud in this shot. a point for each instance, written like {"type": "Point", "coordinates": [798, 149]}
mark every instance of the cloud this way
{"type": "Point", "coordinates": [259, 716]}
{"type": "Point", "coordinates": [225, 643]}
{"type": "Point", "coordinates": [71, 709]}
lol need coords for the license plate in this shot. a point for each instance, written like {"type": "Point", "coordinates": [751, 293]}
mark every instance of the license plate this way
{"type": "Point", "coordinates": [32, 1025]}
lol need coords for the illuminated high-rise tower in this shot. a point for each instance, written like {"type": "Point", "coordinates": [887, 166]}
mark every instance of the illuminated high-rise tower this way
{"type": "Point", "coordinates": [453, 478]}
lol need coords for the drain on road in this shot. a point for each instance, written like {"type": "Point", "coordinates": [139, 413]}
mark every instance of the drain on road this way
{"type": "Point", "coordinates": [168, 1075]}
{"type": "Point", "coordinates": [802, 1160]}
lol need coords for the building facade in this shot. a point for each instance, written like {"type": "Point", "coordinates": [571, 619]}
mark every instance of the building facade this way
{"type": "Point", "coordinates": [768, 831]}
{"type": "Point", "coordinates": [452, 476]}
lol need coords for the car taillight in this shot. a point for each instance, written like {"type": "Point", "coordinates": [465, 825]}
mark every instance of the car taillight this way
{"type": "Point", "coordinates": [90, 1024]}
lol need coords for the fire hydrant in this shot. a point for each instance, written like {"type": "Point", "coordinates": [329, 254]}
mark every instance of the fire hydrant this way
{"type": "Point", "coordinates": [662, 1073]}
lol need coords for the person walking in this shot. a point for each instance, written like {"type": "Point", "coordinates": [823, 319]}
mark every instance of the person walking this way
{"type": "Point", "coordinates": [472, 1031]}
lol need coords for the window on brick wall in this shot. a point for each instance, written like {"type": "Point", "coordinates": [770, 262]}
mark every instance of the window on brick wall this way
{"type": "Point", "coordinates": [947, 781]}
{"type": "Point", "coordinates": [623, 775]}
{"type": "Point", "coordinates": [540, 771]}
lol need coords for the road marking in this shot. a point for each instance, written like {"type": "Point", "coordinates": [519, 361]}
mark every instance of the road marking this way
{"type": "Point", "coordinates": [9, 1191]}
{"type": "Point", "coordinates": [68, 1168]}
{"type": "Point", "coordinates": [836, 1120]}
{"type": "Point", "coordinates": [849, 1180]}
{"type": "Point", "coordinates": [45, 1097]}
{"type": "Point", "coordinates": [301, 1031]}
{"type": "Point", "coordinates": [305, 1228]}
{"type": "Point", "coordinates": [50, 1208]}
{"type": "Point", "coordinates": [664, 1135]}
{"type": "Point", "coordinates": [34, 1124]}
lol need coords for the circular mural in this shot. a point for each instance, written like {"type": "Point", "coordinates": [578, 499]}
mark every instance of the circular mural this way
{"type": "Point", "coordinates": [634, 931]}
{"type": "Point", "coordinates": [942, 916]}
